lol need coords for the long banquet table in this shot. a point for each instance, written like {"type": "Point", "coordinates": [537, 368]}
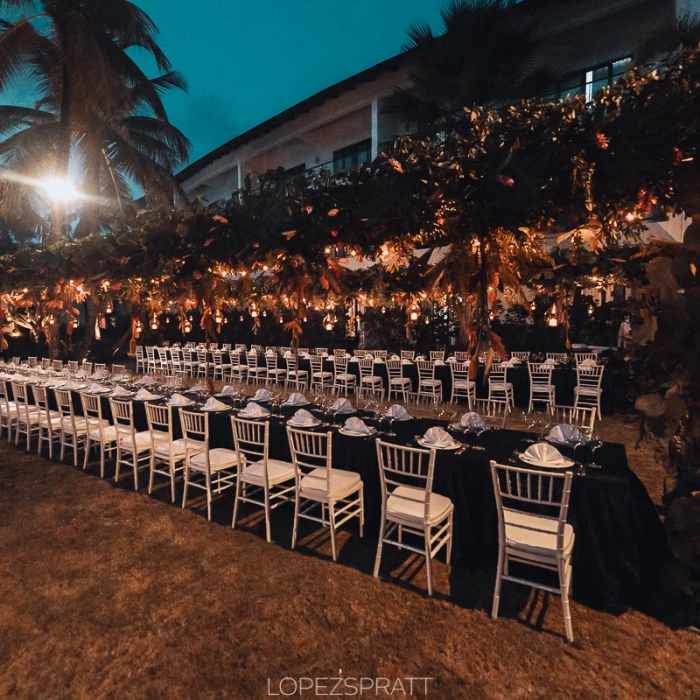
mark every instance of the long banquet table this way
{"type": "Point", "coordinates": [620, 541]}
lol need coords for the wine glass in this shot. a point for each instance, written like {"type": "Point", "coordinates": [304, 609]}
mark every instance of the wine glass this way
{"type": "Point", "coordinates": [594, 442]}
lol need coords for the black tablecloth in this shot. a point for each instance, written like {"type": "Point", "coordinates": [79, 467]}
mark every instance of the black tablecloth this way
{"type": "Point", "coordinates": [620, 541]}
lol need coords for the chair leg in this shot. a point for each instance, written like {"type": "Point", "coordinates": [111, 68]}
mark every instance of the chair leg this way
{"type": "Point", "coordinates": [208, 479]}
{"type": "Point", "coordinates": [172, 481]}
{"type": "Point", "coordinates": [152, 466]}
{"type": "Point", "coordinates": [187, 483]}
{"type": "Point", "coordinates": [119, 461]}
{"type": "Point", "coordinates": [135, 457]}
{"type": "Point", "coordinates": [428, 560]}
{"type": "Point", "coordinates": [331, 521]}
{"type": "Point", "coordinates": [235, 506]}
{"type": "Point", "coordinates": [449, 542]}
{"type": "Point", "coordinates": [499, 581]}
{"type": "Point", "coordinates": [565, 602]}
{"type": "Point", "coordinates": [380, 546]}
{"type": "Point", "coordinates": [267, 514]}
{"type": "Point", "coordinates": [87, 452]}
{"type": "Point", "coordinates": [102, 461]}
{"type": "Point", "coordinates": [362, 511]}
{"type": "Point", "coordinates": [75, 449]}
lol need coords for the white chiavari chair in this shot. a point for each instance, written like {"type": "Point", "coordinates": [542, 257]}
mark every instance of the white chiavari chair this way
{"type": "Point", "coordinates": [541, 387]}
{"type": "Point", "coordinates": [27, 414]}
{"type": "Point", "coordinates": [57, 365]}
{"type": "Point", "coordinates": [203, 461]}
{"type": "Point", "coordinates": [150, 358]}
{"type": "Point", "coordinates": [261, 481]}
{"type": "Point", "coordinates": [369, 382]}
{"type": "Point", "coordinates": [257, 374]}
{"type": "Point", "coordinates": [523, 356]}
{"type": "Point", "coordinates": [99, 366]}
{"type": "Point", "coordinates": [226, 347]}
{"type": "Point", "coordinates": [275, 373]}
{"type": "Point", "coordinates": [580, 416]}
{"type": "Point", "coordinates": [380, 354]}
{"type": "Point", "coordinates": [49, 421]}
{"type": "Point", "coordinates": [495, 411]}
{"type": "Point", "coordinates": [535, 539]}
{"type": "Point", "coordinates": [589, 387]}
{"type": "Point", "coordinates": [33, 361]}
{"type": "Point", "coordinates": [398, 384]}
{"type": "Point", "coordinates": [409, 505]}
{"type": "Point", "coordinates": [317, 483]}
{"type": "Point", "coordinates": [73, 366]}
{"type": "Point", "coordinates": [320, 351]}
{"type": "Point", "coordinates": [45, 363]}
{"type": "Point", "coordinates": [241, 348]}
{"type": "Point", "coordinates": [558, 356]}
{"type": "Point", "coordinates": [436, 355]}
{"type": "Point", "coordinates": [189, 362]}
{"type": "Point", "coordinates": [499, 386]}
{"type": "Point", "coordinates": [583, 356]}
{"type": "Point", "coordinates": [239, 372]}
{"type": "Point", "coordinates": [462, 356]}
{"type": "Point", "coordinates": [133, 446]}
{"type": "Point", "coordinates": [320, 378]}
{"type": "Point", "coordinates": [359, 354]}
{"type": "Point", "coordinates": [101, 434]}
{"type": "Point", "coordinates": [86, 367]}
{"type": "Point", "coordinates": [408, 354]}
{"type": "Point", "coordinates": [218, 364]}
{"type": "Point", "coordinates": [427, 384]}
{"type": "Point", "coordinates": [462, 386]}
{"type": "Point", "coordinates": [339, 352]}
{"type": "Point", "coordinates": [8, 409]}
{"type": "Point", "coordinates": [343, 380]}
{"type": "Point", "coordinates": [202, 364]}
{"type": "Point", "coordinates": [167, 454]}
{"type": "Point", "coordinates": [297, 378]}
{"type": "Point", "coordinates": [74, 428]}
{"type": "Point", "coordinates": [140, 359]}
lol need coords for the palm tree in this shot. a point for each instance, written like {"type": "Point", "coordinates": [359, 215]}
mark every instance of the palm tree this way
{"type": "Point", "coordinates": [675, 34]}
{"type": "Point", "coordinates": [489, 53]}
{"type": "Point", "coordinates": [96, 108]}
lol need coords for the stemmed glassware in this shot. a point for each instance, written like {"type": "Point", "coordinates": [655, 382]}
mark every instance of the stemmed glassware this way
{"type": "Point", "coordinates": [594, 442]}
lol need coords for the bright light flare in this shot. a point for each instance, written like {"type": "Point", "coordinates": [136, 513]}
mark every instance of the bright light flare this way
{"type": "Point", "coordinates": [61, 190]}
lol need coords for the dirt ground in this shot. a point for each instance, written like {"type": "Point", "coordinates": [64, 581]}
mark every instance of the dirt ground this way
{"type": "Point", "coordinates": [107, 593]}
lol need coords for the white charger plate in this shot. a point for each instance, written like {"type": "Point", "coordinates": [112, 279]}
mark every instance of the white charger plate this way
{"type": "Point", "coordinates": [565, 464]}
{"type": "Point", "coordinates": [295, 405]}
{"type": "Point", "coordinates": [294, 424]}
{"type": "Point", "coordinates": [352, 433]}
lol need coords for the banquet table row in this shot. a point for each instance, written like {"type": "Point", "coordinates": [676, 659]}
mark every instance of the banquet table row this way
{"type": "Point", "coordinates": [620, 541]}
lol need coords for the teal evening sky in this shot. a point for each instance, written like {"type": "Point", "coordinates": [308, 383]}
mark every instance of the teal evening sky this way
{"type": "Point", "coordinates": [247, 60]}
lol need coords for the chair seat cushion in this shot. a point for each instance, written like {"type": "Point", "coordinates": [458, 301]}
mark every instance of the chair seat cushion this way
{"type": "Point", "coordinates": [219, 458]}
{"type": "Point", "coordinates": [318, 375]}
{"type": "Point", "coordinates": [407, 504]}
{"type": "Point", "coordinates": [534, 534]}
{"type": "Point", "coordinates": [277, 472]}
{"type": "Point", "coordinates": [345, 377]}
{"type": "Point", "coordinates": [109, 434]}
{"type": "Point", "coordinates": [373, 379]}
{"type": "Point", "coordinates": [430, 382]}
{"type": "Point", "coordinates": [464, 384]}
{"type": "Point", "coordinates": [401, 381]}
{"type": "Point", "coordinates": [142, 439]}
{"type": "Point", "coordinates": [342, 483]}
{"type": "Point", "coordinates": [178, 449]}
{"type": "Point", "coordinates": [587, 390]}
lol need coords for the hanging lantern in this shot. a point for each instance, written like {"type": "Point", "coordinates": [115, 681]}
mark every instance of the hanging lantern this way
{"type": "Point", "coordinates": [167, 319]}
{"type": "Point", "coordinates": [52, 320]}
{"type": "Point", "coordinates": [218, 316]}
{"type": "Point", "coordinates": [281, 318]}
{"type": "Point", "coordinates": [241, 319]}
{"type": "Point", "coordinates": [264, 313]}
{"type": "Point", "coordinates": [225, 320]}
{"type": "Point", "coordinates": [76, 323]}
{"type": "Point", "coordinates": [109, 308]}
{"type": "Point", "coordinates": [329, 322]}
{"type": "Point", "coordinates": [414, 311]}
{"type": "Point", "coordinates": [253, 310]}
{"type": "Point", "coordinates": [533, 306]}
{"type": "Point", "coordinates": [154, 323]}
{"type": "Point", "coordinates": [383, 309]}
{"type": "Point", "coordinates": [187, 327]}
{"type": "Point", "coordinates": [427, 320]}
{"type": "Point", "coordinates": [553, 323]}
{"type": "Point", "coordinates": [591, 310]}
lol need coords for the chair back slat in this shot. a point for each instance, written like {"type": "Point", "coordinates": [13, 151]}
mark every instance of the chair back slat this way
{"type": "Point", "coordinates": [311, 451]}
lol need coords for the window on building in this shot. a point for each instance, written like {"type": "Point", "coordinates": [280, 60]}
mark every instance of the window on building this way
{"type": "Point", "coordinates": [352, 156]}
{"type": "Point", "coordinates": [589, 81]}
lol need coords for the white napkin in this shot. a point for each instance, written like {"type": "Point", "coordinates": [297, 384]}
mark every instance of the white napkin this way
{"type": "Point", "coordinates": [95, 388]}
{"type": "Point", "coordinates": [342, 406]}
{"type": "Point", "coordinates": [356, 425]}
{"type": "Point", "coordinates": [451, 359]}
{"type": "Point", "coordinates": [254, 410]}
{"type": "Point", "coordinates": [369, 357]}
{"type": "Point", "coordinates": [588, 363]}
{"type": "Point", "coordinates": [472, 421]}
{"type": "Point", "coordinates": [565, 433]}
{"type": "Point", "coordinates": [515, 361]}
{"type": "Point", "coordinates": [144, 380]}
{"type": "Point", "coordinates": [213, 404]}
{"type": "Point", "coordinates": [406, 362]}
{"type": "Point", "coordinates": [199, 386]}
{"type": "Point", "coordinates": [397, 412]}
{"type": "Point", "coordinates": [101, 374]}
{"type": "Point", "coordinates": [262, 395]}
{"type": "Point", "coordinates": [550, 361]}
{"type": "Point", "coordinates": [395, 357]}
{"type": "Point", "coordinates": [296, 399]}
{"type": "Point", "coordinates": [439, 362]}
{"type": "Point", "coordinates": [303, 417]}
{"type": "Point", "coordinates": [544, 453]}
{"type": "Point", "coordinates": [228, 390]}
{"type": "Point", "coordinates": [179, 400]}
{"type": "Point", "coordinates": [145, 395]}
{"type": "Point", "coordinates": [121, 391]}
{"type": "Point", "coordinates": [437, 437]}
{"type": "Point", "coordinates": [269, 352]}
{"type": "Point", "coordinates": [420, 357]}
{"type": "Point", "coordinates": [288, 353]}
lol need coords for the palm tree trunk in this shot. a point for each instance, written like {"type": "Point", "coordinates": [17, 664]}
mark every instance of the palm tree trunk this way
{"type": "Point", "coordinates": [89, 223]}
{"type": "Point", "coordinates": [89, 328]}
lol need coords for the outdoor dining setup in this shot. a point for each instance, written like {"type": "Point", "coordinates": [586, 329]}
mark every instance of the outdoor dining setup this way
{"type": "Point", "coordinates": [407, 449]}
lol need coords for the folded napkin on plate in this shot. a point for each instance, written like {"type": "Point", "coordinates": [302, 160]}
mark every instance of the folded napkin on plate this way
{"type": "Point", "coordinates": [397, 412]}
{"type": "Point", "coordinates": [228, 390]}
{"type": "Point", "coordinates": [101, 374]}
{"type": "Point", "coordinates": [420, 357]}
{"type": "Point", "coordinates": [588, 363]}
{"type": "Point", "coordinates": [288, 353]}
{"type": "Point", "coordinates": [368, 357]}
{"type": "Point", "coordinates": [213, 404]}
{"type": "Point", "coordinates": [303, 417]}
{"type": "Point", "coordinates": [395, 357]}
{"type": "Point", "coordinates": [550, 361]}
{"type": "Point", "coordinates": [565, 433]}
{"type": "Point", "coordinates": [95, 388]}
{"type": "Point", "coordinates": [451, 359]}
{"type": "Point", "coordinates": [262, 395]}
{"type": "Point", "coordinates": [472, 421]}
{"type": "Point", "coordinates": [406, 362]}
{"type": "Point", "coordinates": [342, 406]}
{"type": "Point", "coordinates": [269, 352]}
{"type": "Point", "coordinates": [439, 362]}
{"type": "Point", "coordinates": [296, 399]}
{"type": "Point", "coordinates": [544, 453]}
{"type": "Point", "coordinates": [179, 400]}
{"type": "Point", "coordinates": [121, 391]}
{"type": "Point", "coordinates": [80, 374]}
{"type": "Point", "coordinates": [437, 437]}
{"type": "Point", "coordinates": [145, 395]}
{"type": "Point", "coordinates": [144, 380]}
{"type": "Point", "coordinates": [254, 410]}
{"type": "Point", "coordinates": [356, 425]}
